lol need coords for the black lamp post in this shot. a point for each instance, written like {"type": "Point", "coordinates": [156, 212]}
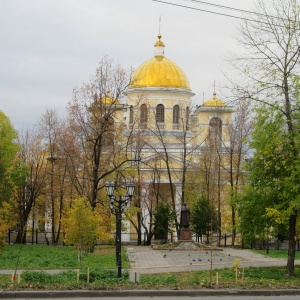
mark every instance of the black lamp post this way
{"type": "Point", "coordinates": [120, 205]}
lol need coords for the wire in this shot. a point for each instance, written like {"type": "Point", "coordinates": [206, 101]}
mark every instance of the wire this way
{"type": "Point", "coordinates": [234, 9]}
{"type": "Point", "coordinates": [218, 13]}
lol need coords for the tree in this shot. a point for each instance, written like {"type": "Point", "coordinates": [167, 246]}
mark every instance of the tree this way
{"type": "Point", "coordinates": [81, 226]}
{"type": "Point", "coordinates": [236, 153]}
{"type": "Point", "coordinates": [270, 65]}
{"type": "Point", "coordinates": [175, 164]}
{"type": "Point", "coordinates": [8, 170]}
{"type": "Point", "coordinates": [253, 219]}
{"type": "Point", "coordinates": [211, 162]}
{"type": "Point", "coordinates": [50, 129]}
{"type": "Point", "coordinates": [3, 233]}
{"type": "Point", "coordinates": [96, 124]}
{"type": "Point", "coordinates": [271, 193]}
{"type": "Point", "coordinates": [7, 221]}
{"type": "Point", "coordinates": [142, 207]}
{"type": "Point", "coordinates": [8, 151]}
{"type": "Point", "coordinates": [163, 219]}
{"type": "Point", "coordinates": [31, 179]}
{"type": "Point", "coordinates": [203, 216]}
{"type": "Point", "coordinates": [140, 211]}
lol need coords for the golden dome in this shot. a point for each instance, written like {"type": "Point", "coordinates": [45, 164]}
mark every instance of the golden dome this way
{"type": "Point", "coordinates": [214, 102]}
{"type": "Point", "coordinates": [159, 72]}
{"type": "Point", "coordinates": [109, 101]}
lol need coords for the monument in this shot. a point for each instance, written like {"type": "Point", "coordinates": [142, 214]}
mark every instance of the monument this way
{"type": "Point", "coordinates": [185, 231]}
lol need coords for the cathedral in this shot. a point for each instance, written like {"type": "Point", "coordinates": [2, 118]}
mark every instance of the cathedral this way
{"type": "Point", "coordinates": [177, 149]}
{"type": "Point", "coordinates": [171, 134]}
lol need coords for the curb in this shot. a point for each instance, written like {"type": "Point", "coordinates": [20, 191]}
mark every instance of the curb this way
{"type": "Point", "coordinates": [149, 293]}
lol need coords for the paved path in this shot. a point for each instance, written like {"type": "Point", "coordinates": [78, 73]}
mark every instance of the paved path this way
{"type": "Point", "coordinates": [145, 260]}
{"type": "Point", "coordinates": [11, 272]}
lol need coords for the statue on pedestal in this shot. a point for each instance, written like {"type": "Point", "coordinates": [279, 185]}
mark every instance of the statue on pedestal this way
{"type": "Point", "coordinates": [185, 216]}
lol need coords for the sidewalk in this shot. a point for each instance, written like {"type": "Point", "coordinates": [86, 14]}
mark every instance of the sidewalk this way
{"type": "Point", "coordinates": [145, 260]}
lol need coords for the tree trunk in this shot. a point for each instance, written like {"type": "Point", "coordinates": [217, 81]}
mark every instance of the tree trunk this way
{"type": "Point", "coordinates": [139, 231]}
{"type": "Point", "coordinates": [233, 232]}
{"type": "Point", "coordinates": [290, 268]}
{"type": "Point", "coordinates": [219, 200]}
{"type": "Point", "coordinates": [149, 238]}
{"type": "Point", "coordinates": [52, 202]}
{"type": "Point", "coordinates": [21, 236]}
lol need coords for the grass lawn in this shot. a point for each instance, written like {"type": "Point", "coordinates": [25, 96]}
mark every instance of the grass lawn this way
{"type": "Point", "coordinates": [277, 253]}
{"type": "Point", "coordinates": [103, 273]}
{"type": "Point", "coordinates": [56, 257]}
{"type": "Point", "coordinates": [254, 278]}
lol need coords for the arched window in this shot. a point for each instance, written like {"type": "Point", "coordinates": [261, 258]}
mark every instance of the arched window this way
{"type": "Point", "coordinates": [144, 113]}
{"type": "Point", "coordinates": [131, 114]}
{"type": "Point", "coordinates": [215, 131]}
{"type": "Point", "coordinates": [176, 114]}
{"type": "Point", "coordinates": [160, 113]}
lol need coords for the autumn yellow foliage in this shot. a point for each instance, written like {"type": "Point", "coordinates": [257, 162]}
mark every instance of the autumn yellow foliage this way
{"type": "Point", "coordinates": [6, 221]}
{"type": "Point", "coordinates": [81, 224]}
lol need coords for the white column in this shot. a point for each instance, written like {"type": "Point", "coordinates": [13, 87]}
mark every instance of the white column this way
{"type": "Point", "coordinates": [178, 192]}
{"type": "Point", "coordinates": [126, 233]}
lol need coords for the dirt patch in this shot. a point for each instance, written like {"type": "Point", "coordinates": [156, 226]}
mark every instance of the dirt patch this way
{"type": "Point", "coordinates": [104, 251]}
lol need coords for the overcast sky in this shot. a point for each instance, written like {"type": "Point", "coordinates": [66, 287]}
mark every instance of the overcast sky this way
{"type": "Point", "coordinates": [48, 47]}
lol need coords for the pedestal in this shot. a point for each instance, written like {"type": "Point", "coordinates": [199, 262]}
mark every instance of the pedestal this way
{"type": "Point", "coordinates": [185, 235]}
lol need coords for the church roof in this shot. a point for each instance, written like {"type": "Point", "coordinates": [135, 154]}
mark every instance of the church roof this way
{"type": "Point", "coordinates": [108, 99]}
{"type": "Point", "coordinates": [214, 101]}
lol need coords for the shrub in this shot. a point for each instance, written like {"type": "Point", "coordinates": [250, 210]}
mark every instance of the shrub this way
{"type": "Point", "coordinates": [34, 277]}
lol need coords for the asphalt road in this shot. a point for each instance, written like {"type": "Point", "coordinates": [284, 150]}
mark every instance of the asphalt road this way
{"type": "Point", "coordinates": [180, 298]}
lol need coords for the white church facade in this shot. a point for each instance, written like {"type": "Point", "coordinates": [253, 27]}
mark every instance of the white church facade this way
{"type": "Point", "coordinates": [171, 135]}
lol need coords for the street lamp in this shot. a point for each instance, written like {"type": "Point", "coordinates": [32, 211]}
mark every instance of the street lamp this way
{"type": "Point", "coordinates": [120, 205]}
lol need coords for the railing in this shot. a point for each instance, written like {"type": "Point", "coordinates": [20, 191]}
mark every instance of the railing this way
{"type": "Point", "coordinates": [44, 238]}
{"type": "Point", "coordinates": [33, 237]}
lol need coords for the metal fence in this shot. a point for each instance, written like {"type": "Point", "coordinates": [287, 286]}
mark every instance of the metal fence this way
{"type": "Point", "coordinates": [32, 237]}
{"type": "Point", "coordinates": [45, 238]}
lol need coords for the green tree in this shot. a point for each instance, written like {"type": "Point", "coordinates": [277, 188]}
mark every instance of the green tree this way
{"type": "Point", "coordinates": [203, 215]}
{"type": "Point", "coordinates": [272, 197]}
{"type": "Point", "coordinates": [253, 219]}
{"type": "Point", "coordinates": [163, 219]}
{"type": "Point", "coordinates": [7, 220]}
{"type": "Point", "coordinates": [269, 68]}
{"type": "Point", "coordinates": [8, 150]}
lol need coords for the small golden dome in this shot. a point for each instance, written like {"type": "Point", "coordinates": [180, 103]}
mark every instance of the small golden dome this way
{"type": "Point", "coordinates": [108, 100]}
{"type": "Point", "coordinates": [214, 101]}
{"type": "Point", "coordinates": [159, 43]}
